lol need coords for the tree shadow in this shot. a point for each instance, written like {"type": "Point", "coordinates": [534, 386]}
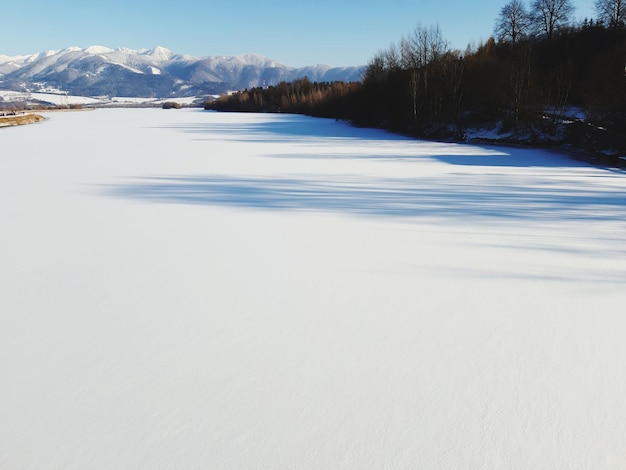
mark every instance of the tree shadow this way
{"type": "Point", "coordinates": [282, 128]}
{"type": "Point", "coordinates": [285, 127]}
{"type": "Point", "coordinates": [518, 158]}
{"type": "Point", "coordinates": [452, 197]}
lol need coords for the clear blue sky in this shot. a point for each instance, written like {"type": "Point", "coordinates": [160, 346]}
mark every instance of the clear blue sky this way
{"type": "Point", "coordinates": [296, 33]}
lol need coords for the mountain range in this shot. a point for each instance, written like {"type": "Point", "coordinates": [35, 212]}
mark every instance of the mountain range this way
{"type": "Point", "coordinates": [157, 72]}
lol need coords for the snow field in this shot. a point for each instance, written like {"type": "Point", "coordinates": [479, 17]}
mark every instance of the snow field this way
{"type": "Point", "coordinates": [184, 289]}
{"type": "Point", "coordinates": [61, 99]}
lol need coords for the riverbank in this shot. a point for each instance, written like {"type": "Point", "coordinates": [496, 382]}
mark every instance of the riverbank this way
{"type": "Point", "coordinates": [19, 119]}
{"type": "Point", "coordinates": [573, 137]}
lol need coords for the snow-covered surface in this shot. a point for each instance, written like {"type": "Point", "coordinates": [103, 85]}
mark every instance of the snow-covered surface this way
{"type": "Point", "coordinates": [198, 290]}
{"type": "Point", "coordinates": [14, 96]}
{"type": "Point", "coordinates": [61, 99]}
{"type": "Point", "coordinates": [55, 97]}
{"type": "Point", "coordinates": [138, 101]}
{"type": "Point", "coordinates": [98, 50]}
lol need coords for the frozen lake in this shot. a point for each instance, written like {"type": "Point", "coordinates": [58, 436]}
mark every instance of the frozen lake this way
{"type": "Point", "coordinates": [185, 289]}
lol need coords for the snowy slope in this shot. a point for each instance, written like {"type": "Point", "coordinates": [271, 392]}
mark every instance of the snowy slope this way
{"type": "Point", "coordinates": [184, 289]}
{"type": "Point", "coordinates": [99, 70]}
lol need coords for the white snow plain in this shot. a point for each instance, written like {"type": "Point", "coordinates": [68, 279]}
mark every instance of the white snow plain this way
{"type": "Point", "coordinates": [59, 98]}
{"type": "Point", "coordinates": [187, 289]}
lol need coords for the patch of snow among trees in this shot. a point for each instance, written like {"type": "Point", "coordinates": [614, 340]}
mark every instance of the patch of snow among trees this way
{"type": "Point", "coordinates": [193, 289]}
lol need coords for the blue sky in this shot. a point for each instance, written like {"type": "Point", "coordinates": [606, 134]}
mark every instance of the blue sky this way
{"type": "Point", "coordinates": [296, 33]}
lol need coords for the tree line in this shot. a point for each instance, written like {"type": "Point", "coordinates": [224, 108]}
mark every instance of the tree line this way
{"type": "Point", "coordinates": [322, 99]}
{"type": "Point", "coordinates": [536, 67]}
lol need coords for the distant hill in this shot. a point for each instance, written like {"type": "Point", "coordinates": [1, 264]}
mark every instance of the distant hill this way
{"type": "Point", "coordinates": [158, 72]}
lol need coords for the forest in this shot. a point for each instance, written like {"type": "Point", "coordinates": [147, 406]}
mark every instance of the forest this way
{"type": "Point", "coordinates": [539, 79]}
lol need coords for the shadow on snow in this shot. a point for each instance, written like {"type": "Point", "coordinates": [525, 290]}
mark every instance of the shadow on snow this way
{"type": "Point", "coordinates": [455, 196]}
{"type": "Point", "coordinates": [296, 128]}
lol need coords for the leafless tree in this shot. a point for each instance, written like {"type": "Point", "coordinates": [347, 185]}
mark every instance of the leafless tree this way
{"type": "Point", "coordinates": [392, 59]}
{"type": "Point", "coordinates": [424, 46]}
{"type": "Point", "coordinates": [382, 64]}
{"type": "Point", "coordinates": [375, 72]}
{"type": "Point", "coordinates": [611, 12]}
{"type": "Point", "coordinates": [550, 15]}
{"type": "Point", "coordinates": [513, 22]}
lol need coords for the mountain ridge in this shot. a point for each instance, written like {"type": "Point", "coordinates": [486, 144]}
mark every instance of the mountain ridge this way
{"type": "Point", "coordinates": [157, 72]}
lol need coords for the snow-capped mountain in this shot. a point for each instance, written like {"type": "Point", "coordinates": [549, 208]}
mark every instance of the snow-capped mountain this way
{"type": "Point", "coordinates": [158, 72]}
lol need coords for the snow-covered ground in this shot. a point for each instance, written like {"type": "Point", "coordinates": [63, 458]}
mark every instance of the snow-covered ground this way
{"type": "Point", "coordinates": [117, 100]}
{"type": "Point", "coordinates": [61, 99]}
{"type": "Point", "coordinates": [57, 98]}
{"type": "Point", "coordinates": [198, 290]}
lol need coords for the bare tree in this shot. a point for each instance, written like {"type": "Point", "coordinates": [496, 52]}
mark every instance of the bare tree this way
{"type": "Point", "coordinates": [550, 15]}
{"type": "Point", "coordinates": [376, 71]}
{"type": "Point", "coordinates": [611, 12]}
{"type": "Point", "coordinates": [392, 58]}
{"type": "Point", "coordinates": [424, 46]}
{"type": "Point", "coordinates": [382, 64]}
{"type": "Point", "coordinates": [513, 22]}
{"type": "Point", "coordinates": [451, 70]}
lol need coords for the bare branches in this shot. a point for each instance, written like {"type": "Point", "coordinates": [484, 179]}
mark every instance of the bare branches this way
{"type": "Point", "coordinates": [422, 46]}
{"type": "Point", "coordinates": [550, 15]}
{"type": "Point", "coordinates": [611, 12]}
{"type": "Point", "coordinates": [513, 23]}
